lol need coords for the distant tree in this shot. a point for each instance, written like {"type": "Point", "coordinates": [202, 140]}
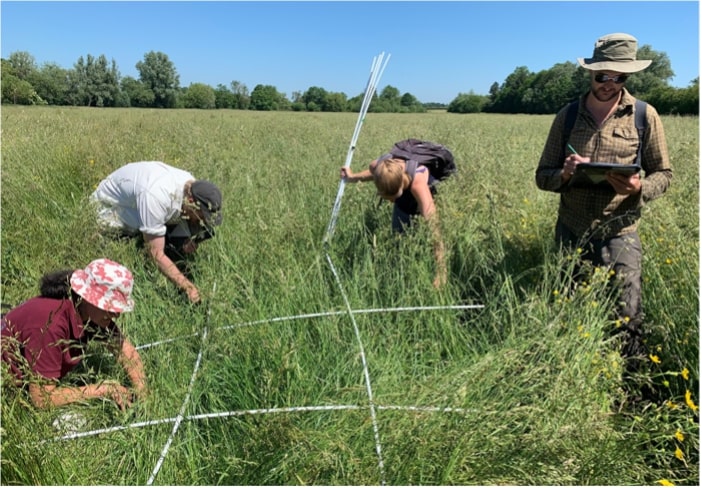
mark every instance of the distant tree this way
{"type": "Point", "coordinates": [51, 83]}
{"type": "Point", "coordinates": [241, 95]}
{"type": "Point", "coordinates": [315, 99]}
{"type": "Point", "coordinates": [159, 74]}
{"type": "Point", "coordinates": [390, 93]}
{"type": "Point", "coordinates": [410, 103]}
{"type": "Point", "coordinates": [387, 101]}
{"type": "Point", "coordinates": [94, 83]}
{"type": "Point", "coordinates": [354, 104]}
{"type": "Point", "coordinates": [296, 97]}
{"type": "Point", "coordinates": [335, 102]}
{"type": "Point", "coordinates": [267, 97]}
{"type": "Point", "coordinates": [137, 93]}
{"type": "Point", "coordinates": [23, 64]}
{"type": "Point", "coordinates": [550, 89]}
{"type": "Point", "coordinates": [409, 100]}
{"type": "Point", "coordinates": [15, 90]}
{"type": "Point", "coordinates": [224, 98]}
{"type": "Point", "coordinates": [199, 95]}
{"type": "Point", "coordinates": [467, 103]}
{"type": "Point", "coordinates": [509, 98]}
{"type": "Point", "coordinates": [675, 101]}
{"type": "Point", "coordinates": [657, 75]}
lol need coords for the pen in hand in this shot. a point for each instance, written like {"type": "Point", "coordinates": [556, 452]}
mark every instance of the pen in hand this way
{"type": "Point", "coordinates": [572, 150]}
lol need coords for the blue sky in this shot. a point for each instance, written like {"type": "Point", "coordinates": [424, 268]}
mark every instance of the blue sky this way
{"type": "Point", "coordinates": [437, 49]}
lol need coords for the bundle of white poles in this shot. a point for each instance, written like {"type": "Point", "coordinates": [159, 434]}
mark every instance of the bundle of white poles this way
{"type": "Point", "coordinates": [377, 68]}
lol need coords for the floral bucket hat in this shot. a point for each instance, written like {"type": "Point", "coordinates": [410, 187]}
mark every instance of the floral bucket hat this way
{"type": "Point", "coordinates": [105, 284]}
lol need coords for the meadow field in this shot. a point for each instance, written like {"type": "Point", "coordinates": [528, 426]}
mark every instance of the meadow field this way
{"type": "Point", "coordinates": [291, 374]}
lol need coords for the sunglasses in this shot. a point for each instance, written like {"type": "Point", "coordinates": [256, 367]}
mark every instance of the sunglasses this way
{"type": "Point", "coordinates": [602, 78]}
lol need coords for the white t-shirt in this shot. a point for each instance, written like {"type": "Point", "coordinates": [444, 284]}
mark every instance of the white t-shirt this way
{"type": "Point", "coordinates": [143, 196]}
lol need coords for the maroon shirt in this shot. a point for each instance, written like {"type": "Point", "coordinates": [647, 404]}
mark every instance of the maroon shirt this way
{"type": "Point", "coordinates": [49, 334]}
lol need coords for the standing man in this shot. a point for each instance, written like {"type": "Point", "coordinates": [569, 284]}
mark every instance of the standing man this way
{"type": "Point", "coordinates": [602, 219]}
{"type": "Point", "coordinates": [173, 211]}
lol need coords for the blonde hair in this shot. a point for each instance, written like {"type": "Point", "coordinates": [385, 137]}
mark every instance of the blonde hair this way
{"type": "Point", "coordinates": [389, 176]}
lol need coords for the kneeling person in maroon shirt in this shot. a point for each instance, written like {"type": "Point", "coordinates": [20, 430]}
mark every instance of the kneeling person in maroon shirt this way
{"type": "Point", "coordinates": [43, 339]}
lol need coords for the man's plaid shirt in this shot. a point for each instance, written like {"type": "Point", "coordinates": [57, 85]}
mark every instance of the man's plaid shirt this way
{"type": "Point", "coordinates": [598, 209]}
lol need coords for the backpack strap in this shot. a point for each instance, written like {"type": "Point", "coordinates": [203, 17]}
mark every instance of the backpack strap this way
{"type": "Point", "coordinates": [640, 122]}
{"type": "Point", "coordinates": [571, 115]}
{"type": "Point", "coordinates": [411, 168]}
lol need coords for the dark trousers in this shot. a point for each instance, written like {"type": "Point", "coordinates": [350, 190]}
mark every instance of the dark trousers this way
{"type": "Point", "coordinates": [623, 255]}
{"type": "Point", "coordinates": [400, 219]}
{"type": "Point", "coordinates": [179, 235]}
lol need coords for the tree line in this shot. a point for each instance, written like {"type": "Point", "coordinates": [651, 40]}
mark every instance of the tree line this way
{"type": "Point", "coordinates": [95, 82]}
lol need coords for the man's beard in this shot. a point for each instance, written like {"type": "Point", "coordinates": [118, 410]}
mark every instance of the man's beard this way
{"type": "Point", "coordinates": [605, 97]}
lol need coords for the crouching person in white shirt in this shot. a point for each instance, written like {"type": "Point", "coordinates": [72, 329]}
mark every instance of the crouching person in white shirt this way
{"type": "Point", "coordinates": [172, 210]}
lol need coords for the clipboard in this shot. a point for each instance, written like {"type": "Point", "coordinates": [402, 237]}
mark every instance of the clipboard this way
{"type": "Point", "coordinates": [594, 174]}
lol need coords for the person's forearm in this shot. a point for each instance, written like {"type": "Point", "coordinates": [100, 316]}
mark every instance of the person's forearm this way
{"type": "Point", "coordinates": [133, 366]}
{"type": "Point", "coordinates": [44, 397]}
{"type": "Point", "coordinates": [364, 175]}
{"type": "Point", "coordinates": [439, 248]}
{"type": "Point", "coordinates": [171, 271]}
{"type": "Point", "coordinates": [439, 254]}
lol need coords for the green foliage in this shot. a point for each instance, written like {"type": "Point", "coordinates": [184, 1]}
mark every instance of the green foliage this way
{"type": "Point", "coordinates": [159, 74]}
{"type": "Point", "coordinates": [241, 95]}
{"type": "Point", "coordinates": [524, 391]}
{"type": "Point", "coordinates": [17, 91]}
{"type": "Point", "coordinates": [224, 98]}
{"type": "Point", "coordinates": [92, 83]}
{"type": "Point", "coordinates": [673, 101]}
{"type": "Point", "coordinates": [199, 95]}
{"type": "Point", "coordinates": [137, 94]}
{"type": "Point", "coordinates": [51, 83]}
{"type": "Point", "coordinates": [467, 103]}
{"type": "Point", "coordinates": [549, 90]}
{"type": "Point", "coordinates": [267, 97]}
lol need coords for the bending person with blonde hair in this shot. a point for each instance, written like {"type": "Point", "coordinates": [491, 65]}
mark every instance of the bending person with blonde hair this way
{"type": "Point", "coordinates": [410, 187]}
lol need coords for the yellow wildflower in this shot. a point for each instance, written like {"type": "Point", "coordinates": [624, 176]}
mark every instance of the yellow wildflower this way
{"type": "Point", "coordinates": [679, 435]}
{"type": "Point", "coordinates": [668, 261]}
{"type": "Point", "coordinates": [688, 400]}
{"type": "Point", "coordinates": [672, 405]}
{"type": "Point", "coordinates": [654, 358]}
{"type": "Point", "coordinates": [665, 483]}
{"type": "Point", "coordinates": [556, 293]}
{"type": "Point", "coordinates": [685, 373]}
{"type": "Point", "coordinates": [679, 454]}
{"type": "Point", "coordinates": [666, 383]}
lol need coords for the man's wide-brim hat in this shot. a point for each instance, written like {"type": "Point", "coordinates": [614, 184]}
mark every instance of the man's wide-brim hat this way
{"type": "Point", "coordinates": [615, 52]}
{"type": "Point", "coordinates": [105, 284]}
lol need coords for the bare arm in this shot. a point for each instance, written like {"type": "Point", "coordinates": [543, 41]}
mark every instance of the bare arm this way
{"type": "Point", "coordinates": [130, 360]}
{"type": "Point", "coordinates": [46, 395]}
{"type": "Point", "coordinates": [156, 246]}
{"type": "Point", "coordinates": [365, 175]}
{"type": "Point", "coordinates": [420, 191]}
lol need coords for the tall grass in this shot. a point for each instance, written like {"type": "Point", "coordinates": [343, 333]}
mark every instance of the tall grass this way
{"type": "Point", "coordinates": [523, 391]}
